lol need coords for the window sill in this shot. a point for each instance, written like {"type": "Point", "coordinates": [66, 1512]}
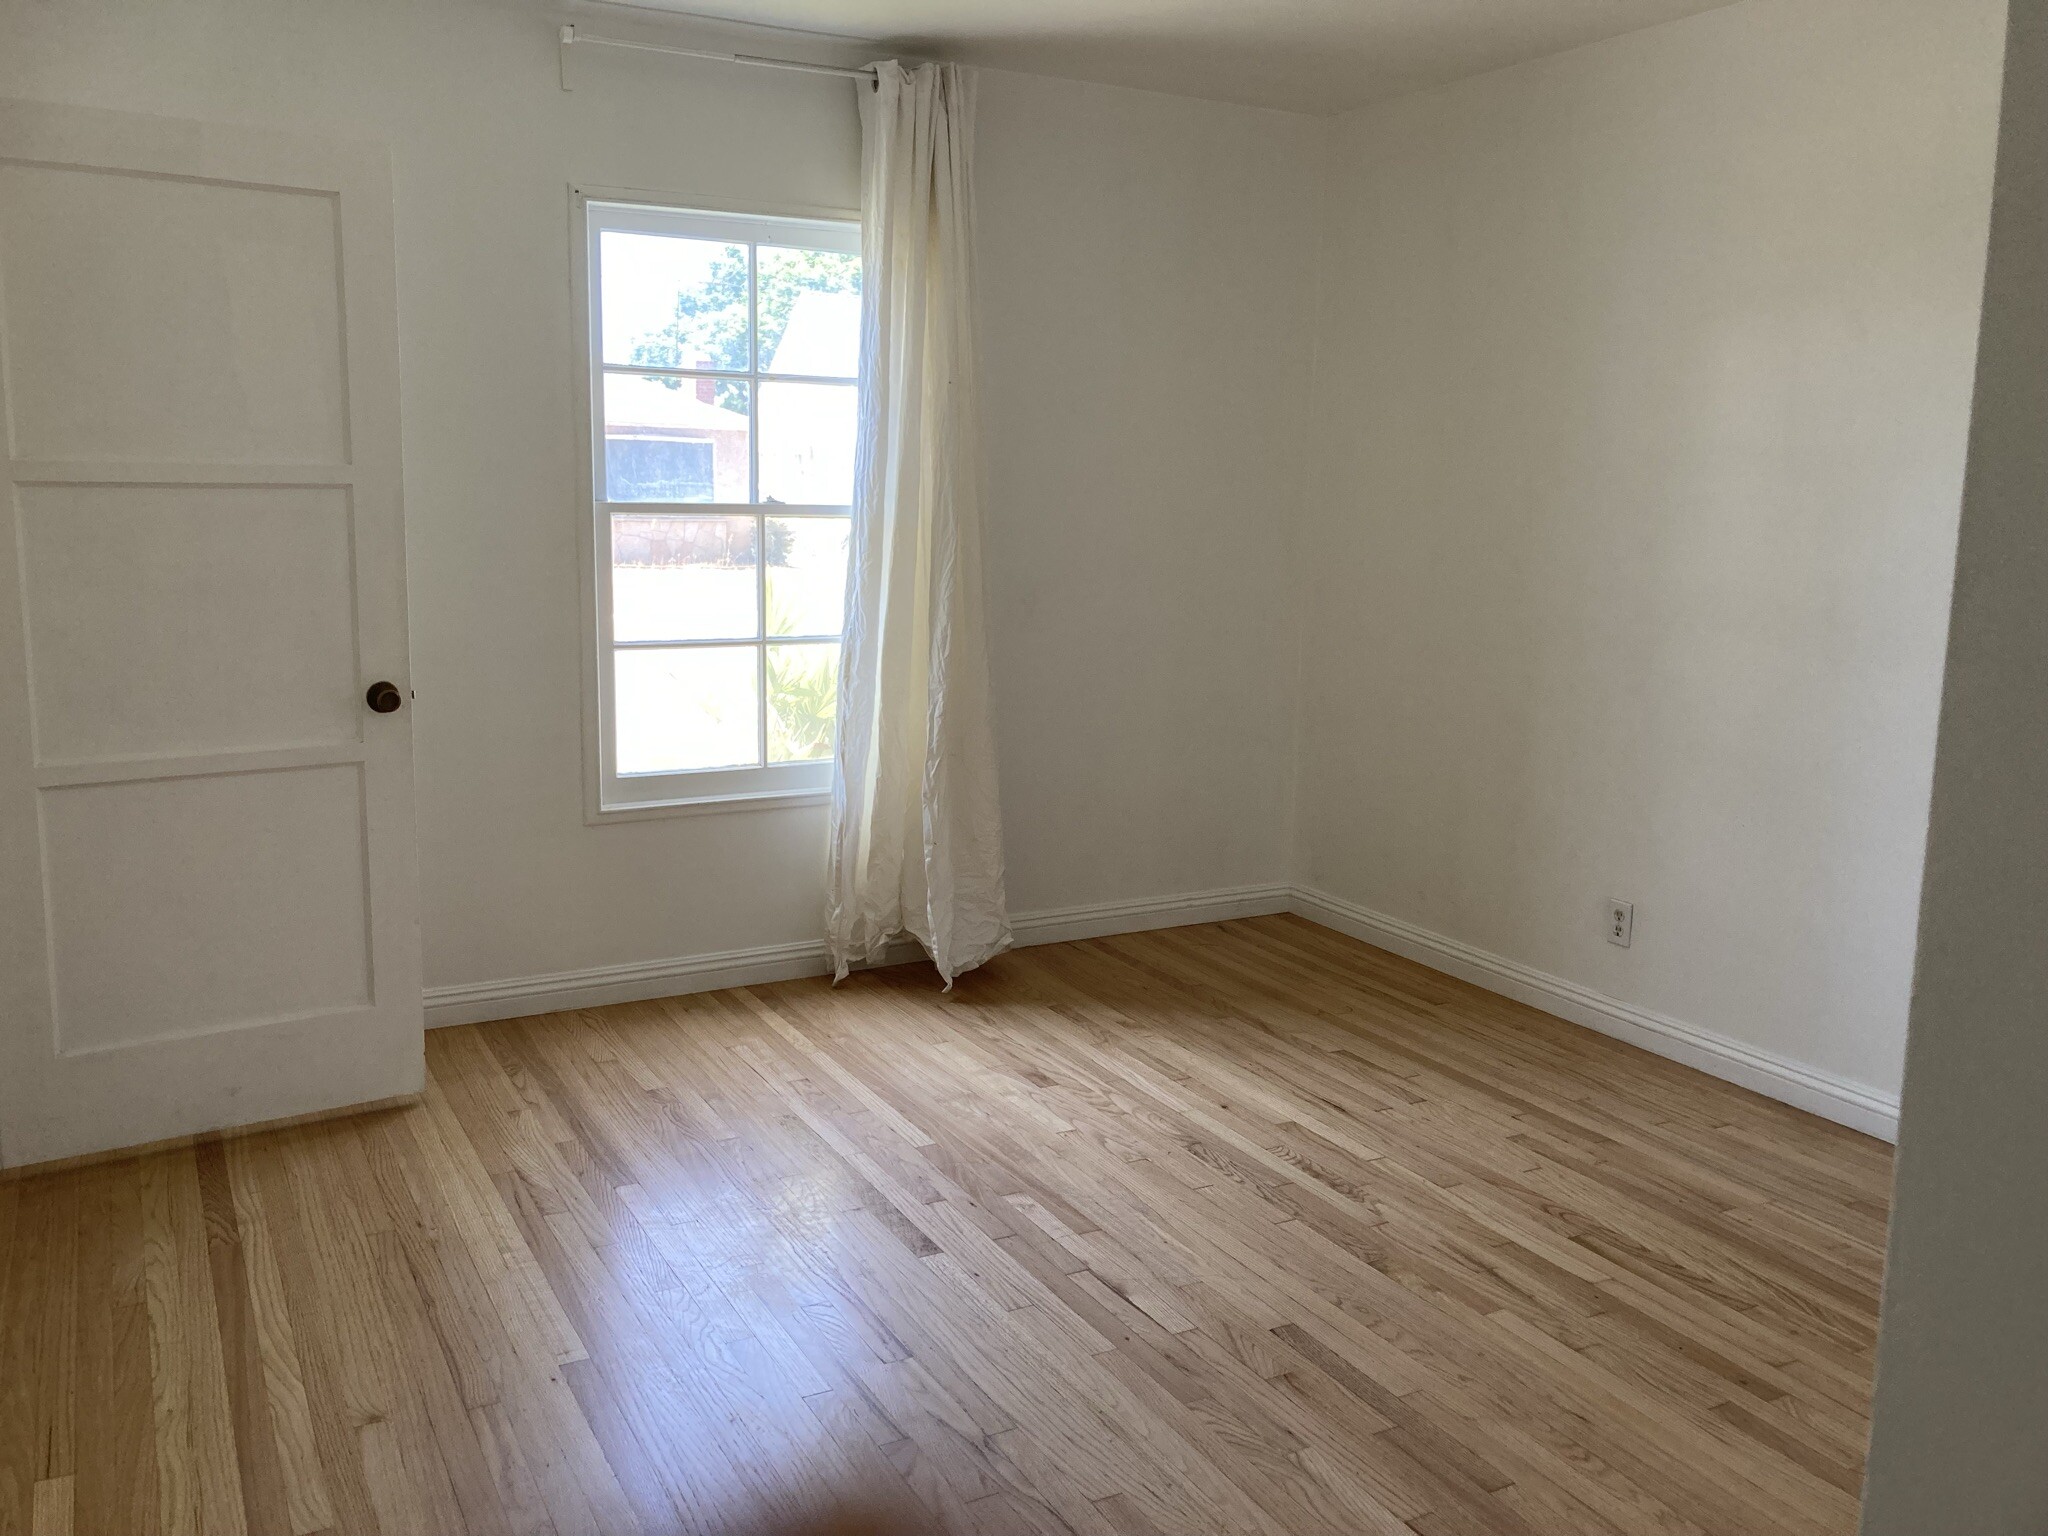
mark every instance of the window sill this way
{"type": "Point", "coordinates": [709, 805]}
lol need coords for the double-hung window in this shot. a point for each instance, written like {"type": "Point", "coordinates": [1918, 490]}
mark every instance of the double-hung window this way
{"type": "Point", "coordinates": [724, 383]}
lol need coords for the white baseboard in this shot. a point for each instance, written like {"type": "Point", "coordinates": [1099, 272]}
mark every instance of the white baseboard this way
{"type": "Point", "coordinates": [519, 996]}
{"type": "Point", "coordinates": [1856, 1105]}
{"type": "Point", "coordinates": [1060, 925]}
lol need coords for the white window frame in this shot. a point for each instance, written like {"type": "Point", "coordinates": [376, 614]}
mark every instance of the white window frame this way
{"type": "Point", "coordinates": [609, 795]}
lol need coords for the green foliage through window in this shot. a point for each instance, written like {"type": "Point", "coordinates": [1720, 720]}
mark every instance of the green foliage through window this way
{"type": "Point", "coordinates": [710, 323]}
{"type": "Point", "coordinates": [803, 700]}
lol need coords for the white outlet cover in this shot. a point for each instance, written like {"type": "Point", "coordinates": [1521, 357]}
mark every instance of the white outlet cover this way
{"type": "Point", "coordinates": [1621, 922]}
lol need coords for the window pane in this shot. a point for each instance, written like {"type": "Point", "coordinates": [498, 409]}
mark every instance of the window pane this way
{"type": "Point", "coordinates": [807, 575]}
{"type": "Point", "coordinates": [677, 440]}
{"type": "Point", "coordinates": [673, 303]}
{"type": "Point", "coordinates": [803, 701]}
{"type": "Point", "coordinates": [684, 578]}
{"type": "Point", "coordinates": [807, 444]}
{"type": "Point", "coordinates": [810, 312]}
{"type": "Point", "coordinates": [687, 709]}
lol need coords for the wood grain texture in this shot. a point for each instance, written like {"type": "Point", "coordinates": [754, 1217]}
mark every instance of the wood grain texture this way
{"type": "Point", "coordinates": [1241, 1228]}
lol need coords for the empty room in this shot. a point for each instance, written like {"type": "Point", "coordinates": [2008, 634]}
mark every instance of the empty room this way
{"type": "Point", "coordinates": [927, 767]}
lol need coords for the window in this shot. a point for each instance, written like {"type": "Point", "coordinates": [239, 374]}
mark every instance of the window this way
{"type": "Point", "coordinates": [724, 360]}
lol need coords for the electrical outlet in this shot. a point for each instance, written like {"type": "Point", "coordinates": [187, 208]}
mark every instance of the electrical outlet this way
{"type": "Point", "coordinates": [1621, 922]}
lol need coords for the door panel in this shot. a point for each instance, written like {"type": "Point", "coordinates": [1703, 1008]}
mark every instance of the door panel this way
{"type": "Point", "coordinates": [172, 319]}
{"type": "Point", "coordinates": [207, 903]}
{"type": "Point", "coordinates": [188, 904]}
{"type": "Point", "coordinates": [188, 619]}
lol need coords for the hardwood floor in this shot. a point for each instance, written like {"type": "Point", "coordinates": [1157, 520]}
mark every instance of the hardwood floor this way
{"type": "Point", "coordinates": [1244, 1228]}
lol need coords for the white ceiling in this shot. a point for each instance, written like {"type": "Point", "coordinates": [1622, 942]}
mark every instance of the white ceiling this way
{"type": "Point", "coordinates": [1306, 55]}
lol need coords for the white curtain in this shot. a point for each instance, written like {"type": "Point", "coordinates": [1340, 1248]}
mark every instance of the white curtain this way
{"type": "Point", "coordinates": [916, 837]}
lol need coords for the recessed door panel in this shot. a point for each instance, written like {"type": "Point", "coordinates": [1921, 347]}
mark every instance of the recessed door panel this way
{"type": "Point", "coordinates": [155, 318]}
{"type": "Point", "coordinates": [188, 619]}
{"type": "Point", "coordinates": [191, 904]}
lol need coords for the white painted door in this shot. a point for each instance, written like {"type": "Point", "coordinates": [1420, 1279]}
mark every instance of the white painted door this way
{"type": "Point", "coordinates": [207, 904]}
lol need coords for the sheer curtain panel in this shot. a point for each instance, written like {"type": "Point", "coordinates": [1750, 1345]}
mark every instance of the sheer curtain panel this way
{"type": "Point", "coordinates": [916, 833]}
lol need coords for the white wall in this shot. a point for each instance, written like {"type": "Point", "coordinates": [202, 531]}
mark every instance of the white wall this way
{"type": "Point", "coordinates": [1962, 1367]}
{"type": "Point", "coordinates": [1147, 282]}
{"type": "Point", "coordinates": [1643, 385]}
{"type": "Point", "coordinates": [1132, 241]}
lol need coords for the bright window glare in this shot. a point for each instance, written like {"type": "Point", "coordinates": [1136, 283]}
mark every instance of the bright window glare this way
{"type": "Point", "coordinates": [644, 277]}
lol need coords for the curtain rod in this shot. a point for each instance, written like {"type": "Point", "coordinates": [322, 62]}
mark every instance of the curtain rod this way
{"type": "Point", "coordinates": [571, 37]}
